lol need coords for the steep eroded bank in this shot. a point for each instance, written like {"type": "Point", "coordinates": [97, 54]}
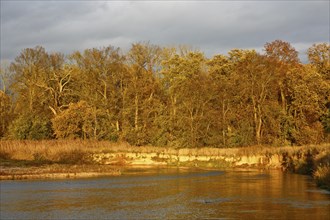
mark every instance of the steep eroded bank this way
{"type": "Point", "coordinates": [37, 158]}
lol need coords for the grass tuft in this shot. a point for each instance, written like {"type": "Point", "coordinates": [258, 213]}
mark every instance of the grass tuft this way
{"type": "Point", "coordinates": [322, 176]}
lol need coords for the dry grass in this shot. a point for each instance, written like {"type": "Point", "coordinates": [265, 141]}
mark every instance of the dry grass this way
{"type": "Point", "coordinates": [313, 160]}
{"type": "Point", "coordinates": [57, 171]}
{"type": "Point", "coordinates": [77, 151]}
{"type": "Point", "coordinates": [53, 150]}
{"type": "Point", "coordinates": [290, 150]}
{"type": "Point", "coordinates": [322, 176]}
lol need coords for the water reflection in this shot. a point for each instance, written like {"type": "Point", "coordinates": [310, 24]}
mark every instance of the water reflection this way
{"type": "Point", "coordinates": [168, 193]}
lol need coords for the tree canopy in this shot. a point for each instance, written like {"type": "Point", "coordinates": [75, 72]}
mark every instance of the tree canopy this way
{"type": "Point", "coordinates": [164, 96]}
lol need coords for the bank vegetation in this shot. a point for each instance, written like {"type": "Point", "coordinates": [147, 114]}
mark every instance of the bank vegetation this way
{"type": "Point", "coordinates": [174, 99]}
{"type": "Point", "coordinates": [164, 96]}
{"type": "Point", "coordinates": [85, 158]}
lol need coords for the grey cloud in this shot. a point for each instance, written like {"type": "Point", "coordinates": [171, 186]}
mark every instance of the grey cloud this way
{"type": "Point", "coordinates": [214, 27]}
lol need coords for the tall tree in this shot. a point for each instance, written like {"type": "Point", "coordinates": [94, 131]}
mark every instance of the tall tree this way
{"type": "Point", "coordinates": [307, 92]}
{"type": "Point", "coordinates": [285, 60]}
{"type": "Point", "coordinates": [6, 105]}
{"type": "Point", "coordinates": [141, 95]}
{"type": "Point", "coordinates": [29, 68]}
{"type": "Point", "coordinates": [56, 83]}
{"type": "Point", "coordinates": [256, 78]}
{"type": "Point", "coordinates": [6, 112]}
{"type": "Point", "coordinates": [220, 70]}
{"type": "Point", "coordinates": [189, 93]}
{"type": "Point", "coordinates": [284, 57]}
{"type": "Point", "coordinates": [98, 77]}
{"type": "Point", "coordinates": [319, 56]}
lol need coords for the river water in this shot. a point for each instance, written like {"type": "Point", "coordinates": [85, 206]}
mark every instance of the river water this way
{"type": "Point", "coordinates": [168, 193]}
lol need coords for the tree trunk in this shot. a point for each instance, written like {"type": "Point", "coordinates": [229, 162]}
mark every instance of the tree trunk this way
{"type": "Point", "coordinates": [224, 111]}
{"type": "Point", "coordinates": [283, 101]}
{"type": "Point", "coordinates": [95, 124]}
{"type": "Point", "coordinates": [31, 100]}
{"type": "Point", "coordinates": [258, 128]}
{"type": "Point", "coordinates": [192, 132]}
{"type": "Point", "coordinates": [257, 120]}
{"type": "Point", "coordinates": [117, 125]}
{"type": "Point", "coordinates": [136, 119]}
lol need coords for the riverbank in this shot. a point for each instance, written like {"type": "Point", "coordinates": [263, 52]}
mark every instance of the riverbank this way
{"type": "Point", "coordinates": [74, 159]}
{"type": "Point", "coordinates": [56, 171]}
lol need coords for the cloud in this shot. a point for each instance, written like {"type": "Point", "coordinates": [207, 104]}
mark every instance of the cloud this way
{"type": "Point", "coordinates": [212, 26]}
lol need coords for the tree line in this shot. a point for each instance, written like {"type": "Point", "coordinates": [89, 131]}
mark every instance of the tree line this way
{"type": "Point", "coordinates": [164, 96]}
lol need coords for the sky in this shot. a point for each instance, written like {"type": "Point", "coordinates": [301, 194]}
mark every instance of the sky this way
{"type": "Point", "coordinates": [214, 27]}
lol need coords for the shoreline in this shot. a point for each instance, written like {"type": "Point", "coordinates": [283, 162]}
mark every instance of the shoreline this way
{"type": "Point", "coordinates": [67, 171]}
{"type": "Point", "coordinates": [83, 171]}
{"type": "Point", "coordinates": [79, 159]}
{"type": "Point", "coordinates": [44, 173]}
{"type": "Point", "coordinates": [57, 171]}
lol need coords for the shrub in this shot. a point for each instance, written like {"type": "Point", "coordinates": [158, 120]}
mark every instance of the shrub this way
{"type": "Point", "coordinates": [322, 176]}
{"type": "Point", "coordinates": [5, 155]}
{"type": "Point", "coordinates": [75, 156]}
{"type": "Point", "coordinates": [30, 126]}
{"type": "Point", "coordinates": [82, 121]}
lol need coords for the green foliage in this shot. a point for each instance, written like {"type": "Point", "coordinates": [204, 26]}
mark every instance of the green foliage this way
{"type": "Point", "coordinates": [326, 121]}
{"type": "Point", "coordinates": [81, 120]}
{"type": "Point", "coordinates": [6, 113]}
{"type": "Point", "coordinates": [30, 126]}
{"type": "Point", "coordinates": [170, 96]}
{"type": "Point", "coordinates": [319, 56]}
{"type": "Point", "coordinates": [322, 176]}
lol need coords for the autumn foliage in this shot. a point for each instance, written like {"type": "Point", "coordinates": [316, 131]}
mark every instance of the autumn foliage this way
{"type": "Point", "coordinates": [165, 96]}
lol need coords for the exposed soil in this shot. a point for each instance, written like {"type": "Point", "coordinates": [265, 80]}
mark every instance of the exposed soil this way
{"type": "Point", "coordinates": [57, 171]}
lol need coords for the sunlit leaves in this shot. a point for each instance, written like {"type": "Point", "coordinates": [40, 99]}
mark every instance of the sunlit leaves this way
{"type": "Point", "coordinates": [319, 55]}
{"type": "Point", "coordinates": [282, 51]}
{"type": "Point", "coordinates": [169, 96]}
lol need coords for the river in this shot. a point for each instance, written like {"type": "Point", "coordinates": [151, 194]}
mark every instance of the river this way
{"type": "Point", "coordinates": [168, 193]}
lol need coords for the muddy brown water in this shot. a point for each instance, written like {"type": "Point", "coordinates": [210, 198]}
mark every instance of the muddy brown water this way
{"type": "Point", "coordinates": [161, 193]}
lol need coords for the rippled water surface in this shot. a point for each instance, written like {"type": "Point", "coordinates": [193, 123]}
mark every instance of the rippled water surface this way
{"type": "Point", "coordinates": [168, 193]}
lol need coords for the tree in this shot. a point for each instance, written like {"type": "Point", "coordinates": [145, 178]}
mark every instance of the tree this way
{"type": "Point", "coordinates": [307, 106]}
{"type": "Point", "coordinates": [5, 77]}
{"type": "Point", "coordinates": [285, 60]}
{"type": "Point", "coordinates": [99, 75]}
{"type": "Point", "coordinates": [168, 96]}
{"type": "Point", "coordinates": [319, 56]}
{"type": "Point", "coordinates": [31, 127]}
{"type": "Point", "coordinates": [6, 105]}
{"type": "Point", "coordinates": [31, 101]}
{"type": "Point", "coordinates": [284, 57]}
{"type": "Point", "coordinates": [78, 122]}
{"type": "Point", "coordinates": [282, 51]}
{"type": "Point", "coordinates": [6, 113]}
{"type": "Point", "coordinates": [56, 83]}
{"type": "Point", "coordinates": [141, 100]}
{"type": "Point", "coordinates": [28, 67]}
{"type": "Point", "coordinates": [255, 81]}
{"type": "Point", "coordinates": [189, 95]}
{"type": "Point", "coordinates": [220, 70]}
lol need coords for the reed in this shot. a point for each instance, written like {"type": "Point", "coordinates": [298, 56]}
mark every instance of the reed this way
{"type": "Point", "coordinates": [77, 151]}
{"type": "Point", "coordinates": [62, 151]}
{"type": "Point", "coordinates": [312, 160]}
{"type": "Point", "coordinates": [322, 176]}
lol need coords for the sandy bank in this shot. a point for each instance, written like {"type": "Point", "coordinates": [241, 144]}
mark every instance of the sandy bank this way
{"type": "Point", "coordinates": [56, 171]}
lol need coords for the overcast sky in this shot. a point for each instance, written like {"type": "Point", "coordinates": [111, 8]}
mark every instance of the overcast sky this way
{"type": "Point", "coordinates": [212, 26]}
